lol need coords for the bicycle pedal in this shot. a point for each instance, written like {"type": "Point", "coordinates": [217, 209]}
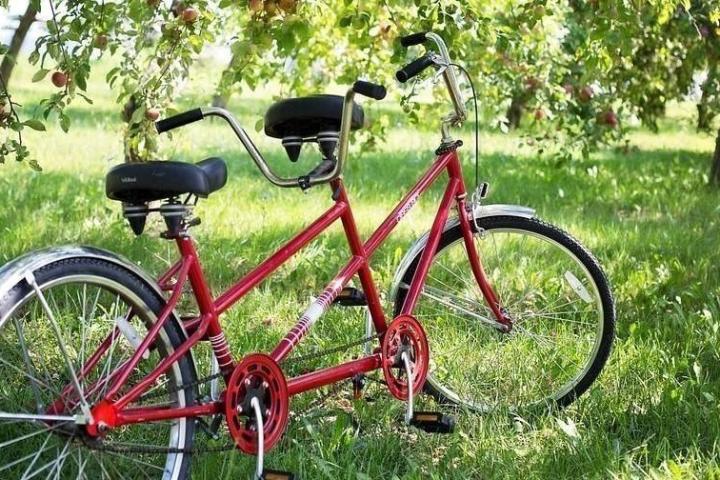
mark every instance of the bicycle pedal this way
{"type": "Point", "coordinates": [351, 297]}
{"type": "Point", "coordinates": [278, 475]}
{"type": "Point", "coordinates": [358, 383]}
{"type": "Point", "coordinates": [208, 429]}
{"type": "Point", "coordinates": [433, 422]}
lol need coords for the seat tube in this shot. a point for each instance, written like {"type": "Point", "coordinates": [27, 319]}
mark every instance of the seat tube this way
{"type": "Point", "coordinates": [203, 296]}
{"type": "Point", "coordinates": [357, 249]}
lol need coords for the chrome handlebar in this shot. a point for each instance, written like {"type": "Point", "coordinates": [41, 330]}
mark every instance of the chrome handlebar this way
{"type": "Point", "coordinates": [457, 116]}
{"type": "Point", "coordinates": [263, 165]}
{"type": "Point", "coordinates": [444, 63]}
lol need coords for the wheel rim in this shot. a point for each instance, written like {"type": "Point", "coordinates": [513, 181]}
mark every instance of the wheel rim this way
{"type": "Point", "coordinates": [549, 350]}
{"type": "Point", "coordinates": [84, 307]}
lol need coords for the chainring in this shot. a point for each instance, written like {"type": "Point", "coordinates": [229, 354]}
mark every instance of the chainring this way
{"type": "Point", "coordinates": [257, 375]}
{"type": "Point", "coordinates": [405, 334]}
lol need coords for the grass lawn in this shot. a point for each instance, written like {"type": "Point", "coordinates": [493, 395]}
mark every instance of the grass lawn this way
{"type": "Point", "coordinates": [647, 215]}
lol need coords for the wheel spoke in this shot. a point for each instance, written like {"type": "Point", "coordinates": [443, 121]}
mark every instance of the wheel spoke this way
{"type": "Point", "coordinates": [555, 333]}
{"type": "Point", "coordinates": [68, 363]}
{"type": "Point", "coordinates": [45, 346]}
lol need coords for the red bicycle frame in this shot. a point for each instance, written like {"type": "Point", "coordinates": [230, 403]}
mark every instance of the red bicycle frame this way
{"type": "Point", "coordinates": [113, 410]}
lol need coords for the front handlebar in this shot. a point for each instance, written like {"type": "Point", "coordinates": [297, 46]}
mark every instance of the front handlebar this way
{"type": "Point", "coordinates": [413, 39]}
{"type": "Point", "coordinates": [442, 61]}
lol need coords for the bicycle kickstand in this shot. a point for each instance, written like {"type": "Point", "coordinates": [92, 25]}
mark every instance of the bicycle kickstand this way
{"type": "Point", "coordinates": [260, 472]}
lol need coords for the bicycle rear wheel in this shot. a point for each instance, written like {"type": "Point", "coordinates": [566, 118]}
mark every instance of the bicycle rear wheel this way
{"type": "Point", "coordinates": [81, 302]}
{"type": "Point", "coordinates": [552, 288]}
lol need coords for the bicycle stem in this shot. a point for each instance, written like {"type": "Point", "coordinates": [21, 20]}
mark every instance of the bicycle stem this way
{"type": "Point", "coordinates": [460, 113]}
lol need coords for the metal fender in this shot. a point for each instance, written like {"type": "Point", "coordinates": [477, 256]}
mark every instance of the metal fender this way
{"type": "Point", "coordinates": [14, 271]}
{"type": "Point", "coordinates": [480, 211]}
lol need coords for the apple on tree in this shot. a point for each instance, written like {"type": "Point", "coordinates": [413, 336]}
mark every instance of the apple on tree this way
{"type": "Point", "coordinates": [152, 114]}
{"type": "Point", "coordinates": [100, 42]}
{"type": "Point", "coordinates": [586, 94]}
{"type": "Point", "coordinates": [59, 79]}
{"type": "Point", "coordinates": [190, 15]}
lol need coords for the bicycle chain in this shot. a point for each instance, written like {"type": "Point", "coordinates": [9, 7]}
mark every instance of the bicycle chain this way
{"type": "Point", "coordinates": [121, 448]}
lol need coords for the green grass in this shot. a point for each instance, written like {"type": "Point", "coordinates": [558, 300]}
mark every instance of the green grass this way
{"type": "Point", "coordinates": [647, 215]}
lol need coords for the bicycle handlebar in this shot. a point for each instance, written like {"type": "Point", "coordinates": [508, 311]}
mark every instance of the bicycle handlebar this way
{"type": "Point", "coordinates": [413, 39]}
{"type": "Point", "coordinates": [369, 89]}
{"type": "Point", "coordinates": [321, 174]}
{"type": "Point", "coordinates": [179, 120]}
{"type": "Point", "coordinates": [414, 68]}
{"type": "Point", "coordinates": [443, 62]}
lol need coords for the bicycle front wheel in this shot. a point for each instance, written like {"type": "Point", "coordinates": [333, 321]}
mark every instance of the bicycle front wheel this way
{"type": "Point", "coordinates": [553, 289]}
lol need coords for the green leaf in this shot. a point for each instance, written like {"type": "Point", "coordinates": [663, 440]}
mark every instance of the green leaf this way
{"type": "Point", "coordinates": [259, 125]}
{"type": "Point", "coordinates": [137, 115]}
{"type": "Point", "coordinates": [86, 98]}
{"type": "Point", "coordinates": [64, 122]}
{"type": "Point", "coordinates": [35, 125]}
{"type": "Point", "coordinates": [32, 163]}
{"type": "Point", "coordinates": [79, 80]}
{"type": "Point", "coordinates": [40, 74]}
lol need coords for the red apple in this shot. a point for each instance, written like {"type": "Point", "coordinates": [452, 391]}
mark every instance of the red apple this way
{"type": "Point", "coordinates": [271, 8]}
{"type": "Point", "coordinates": [385, 29]}
{"type": "Point", "coordinates": [4, 113]}
{"type": "Point", "coordinates": [539, 114]}
{"type": "Point", "coordinates": [152, 114]}
{"type": "Point", "coordinates": [586, 94]}
{"type": "Point", "coordinates": [59, 79]}
{"type": "Point", "coordinates": [286, 5]}
{"type": "Point", "coordinates": [610, 119]}
{"type": "Point", "coordinates": [532, 83]}
{"type": "Point", "coordinates": [190, 15]}
{"type": "Point", "coordinates": [101, 41]}
{"type": "Point", "coordinates": [255, 5]}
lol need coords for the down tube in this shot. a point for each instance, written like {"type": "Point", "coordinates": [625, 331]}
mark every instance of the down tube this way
{"type": "Point", "coordinates": [418, 280]}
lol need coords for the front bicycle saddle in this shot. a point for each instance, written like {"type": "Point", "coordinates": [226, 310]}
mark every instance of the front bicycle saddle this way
{"type": "Point", "coordinates": [316, 118]}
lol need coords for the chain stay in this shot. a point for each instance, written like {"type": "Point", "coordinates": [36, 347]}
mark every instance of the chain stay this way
{"type": "Point", "coordinates": [119, 447]}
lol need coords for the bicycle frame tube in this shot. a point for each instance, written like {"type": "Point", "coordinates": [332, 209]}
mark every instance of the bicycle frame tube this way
{"type": "Point", "coordinates": [207, 326]}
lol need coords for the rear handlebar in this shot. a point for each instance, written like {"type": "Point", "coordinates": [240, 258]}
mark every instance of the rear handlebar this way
{"type": "Point", "coordinates": [179, 120]}
{"type": "Point", "coordinates": [322, 173]}
{"type": "Point", "coordinates": [368, 89]}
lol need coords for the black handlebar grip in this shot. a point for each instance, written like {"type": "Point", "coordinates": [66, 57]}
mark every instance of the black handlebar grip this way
{"type": "Point", "coordinates": [372, 90]}
{"type": "Point", "coordinates": [413, 39]}
{"type": "Point", "coordinates": [179, 120]}
{"type": "Point", "coordinates": [413, 68]}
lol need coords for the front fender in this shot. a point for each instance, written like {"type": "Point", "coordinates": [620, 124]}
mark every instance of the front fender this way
{"type": "Point", "coordinates": [480, 211]}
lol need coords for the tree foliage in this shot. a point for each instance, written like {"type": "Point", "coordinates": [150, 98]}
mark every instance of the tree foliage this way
{"type": "Point", "coordinates": [582, 69]}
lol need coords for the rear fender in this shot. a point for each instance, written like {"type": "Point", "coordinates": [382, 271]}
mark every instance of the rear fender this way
{"type": "Point", "coordinates": [14, 272]}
